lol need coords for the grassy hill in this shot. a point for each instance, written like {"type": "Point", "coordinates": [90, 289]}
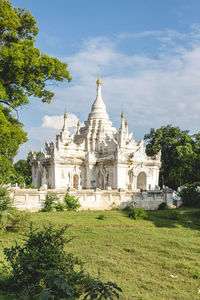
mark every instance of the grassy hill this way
{"type": "Point", "coordinates": [156, 258]}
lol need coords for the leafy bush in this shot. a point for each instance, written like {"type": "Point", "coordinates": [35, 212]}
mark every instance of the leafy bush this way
{"type": "Point", "coordinates": [10, 217]}
{"type": "Point", "coordinates": [17, 220]}
{"type": "Point", "coordinates": [50, 200]}
{"type": "Point", "coordinates": [60, 206]}
{"type": "Point", "coordinates": [190, 194]}
{"type": "Point", "coordinates": [137, 213]}
{"type": "Point", "coordinates": [100, 290]}
{"type": "Point", "coordinates": [101, 217]}
{"type": "Point", "coordinates": [40, 269]}
{"type": "Point", "coordinates": [71, 202]}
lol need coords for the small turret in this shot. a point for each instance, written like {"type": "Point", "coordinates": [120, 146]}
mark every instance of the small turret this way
{"type": "Point", "coordinates": [122, 121]}
{"type": "Point", "coordinates": [78, 127]}
{"type": "Point", "coordinates": [65, 118]}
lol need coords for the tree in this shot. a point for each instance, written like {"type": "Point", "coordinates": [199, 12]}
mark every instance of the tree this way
{"type": "Point", "coordinates": [11, 136]}
{"type": "Point", "coordinates": [180, 154]}
{"type": "Point", "coordinates": [24, 72]}
{"type": "Point", "coordinates": [23, 169]}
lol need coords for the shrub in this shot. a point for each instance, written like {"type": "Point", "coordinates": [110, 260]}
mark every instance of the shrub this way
{"type": "Point", "coordinates": [17, 220]}
{"type": "Point", "coordinates": [60, 206]}
{"type": "Point", "coordinates": [50, 200]}
{"type": "Point", "coordinates": [100, 290]}
{"type": "Point", "coordinates": [40, 269]}
{"type": "Point", "coordinates": [101, 217]}
{"type": "Point", "coordinates": [10, 217]}
{"type": "Point", "coordinates": [137, 213]}
{"type": "Point", "coordinates": [190, 194]}
{"type": "Point", "coordinates": [71, 202]}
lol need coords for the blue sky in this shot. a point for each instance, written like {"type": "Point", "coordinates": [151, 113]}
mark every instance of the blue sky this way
{"type": "Point", "coordinates": [149, 57]}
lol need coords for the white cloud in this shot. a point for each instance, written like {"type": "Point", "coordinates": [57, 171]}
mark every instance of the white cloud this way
{"type": "Point", "coordinates": [154, 91]}
{"type": "Point", "coordinates": [158, 89]}
{"type": "Point", "coordinates": [57, 121]}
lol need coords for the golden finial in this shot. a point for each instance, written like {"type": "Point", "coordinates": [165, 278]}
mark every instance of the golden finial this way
{"type": "Point", "coordinates": [65, 115]}
{"type": "Point", "coordinates": [78, 123]}
{"type": "Point", "coordinates": [126, 123]}
{"type": "Point", "coordinates": [99, 80]}
{"type": "Point", "coordinates": [122, 115]}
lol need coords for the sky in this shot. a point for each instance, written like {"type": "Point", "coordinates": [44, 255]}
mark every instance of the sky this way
{"type": "Point", "coordinates": [148, 54]}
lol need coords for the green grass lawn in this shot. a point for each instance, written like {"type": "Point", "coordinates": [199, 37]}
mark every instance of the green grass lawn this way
{"type": "Point", "coordinates": [140, 256]}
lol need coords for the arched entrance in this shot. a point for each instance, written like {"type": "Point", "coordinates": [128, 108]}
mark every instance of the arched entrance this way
{"type": "Point", "coordinates": [142, 181]}
{"type": "Point", "coordinates": [75, 181]}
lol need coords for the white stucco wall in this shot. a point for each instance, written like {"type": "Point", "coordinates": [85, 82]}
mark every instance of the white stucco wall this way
{"type": "Point", "coordinates": [33, 199]}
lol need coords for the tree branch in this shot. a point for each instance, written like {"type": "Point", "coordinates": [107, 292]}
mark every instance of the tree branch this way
{"type": "Point", "coordinates": [6, 103]}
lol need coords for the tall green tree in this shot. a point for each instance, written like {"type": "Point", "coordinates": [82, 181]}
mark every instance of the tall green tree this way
{"type": "Point", "coordinates": [23, 171]}
{"type": "Point", "coordinates": [12, 136]}
{"type": "Point", "coordinates": [180, 154]}
{"type": "Point", "coordinates": [24, 72]}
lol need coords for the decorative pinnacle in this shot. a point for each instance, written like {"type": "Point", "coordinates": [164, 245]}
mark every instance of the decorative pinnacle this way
{"type": "Point", "coordinates": [65, 115]}
{"type": "Point", "coordinates": [122, 115]}
{"type": "Point", "coordinates": [99, 82]}
{"type": "Point", "coordinates": [126, 123]}
{"type": "Point", "coordinates": [78, 123]}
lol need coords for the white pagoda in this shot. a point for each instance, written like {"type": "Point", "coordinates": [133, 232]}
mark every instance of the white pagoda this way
{"type": "Point", "coordinates": [96, 156]}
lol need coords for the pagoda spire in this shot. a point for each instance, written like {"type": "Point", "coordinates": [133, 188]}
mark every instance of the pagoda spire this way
{"type": "Point", "coordinates": [122, 120]}
{"type": "Point", "coordinates": [99, 82]}
{"type": "Point", "coordinates": [98, 110]}
{"type": "Point", "coordinates": [65, 118]}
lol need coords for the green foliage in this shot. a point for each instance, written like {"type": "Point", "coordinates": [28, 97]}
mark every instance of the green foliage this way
{"type": "Point", "coordinates": [5, 208]}
{"type": "Point", "coordinates": [71, 202]}
{"type": "Point", "coordinates": [190, 194]}
{"type": "Point", "coordinates": [43, 250]}
{"type": "Point", "coordinates": [50, 201]}
{"type": "Point", "coordinates": [24, 172]}
{"type": "Point", "coordinates": [180, 154]}
{"type": "Point", "coordinates": [137, 213]}
{"type": "Point", "coordinates": [40, 269]}
{"type": "Point", "coordinates": [101, 217]}
{"type": "Point", "coordinates": [11, 137]}
{"type": "Point", "coordinates": [10, 217]}
{"type": "Point", "coordinates": [99, 290]}
{"type": "Point", "coordinates": [59, 206]}
{"type": "Point", "coordinates": [24, 70]}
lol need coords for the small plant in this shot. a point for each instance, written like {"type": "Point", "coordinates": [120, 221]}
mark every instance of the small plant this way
{"type": "Point", "coordinates": [101, 217]}
{"type": "Point", "coordinates": [137, 213]}
{"type": "Point", "coordinates": [60, 206]}
{"type": "Point", "coordinates": [50, 201]}
{"type": "Point", "coordinates": [71, 202]}
{"type": "Point", "coordinates": [10, 217]}
{"type": "Point", "coordinates": [100, 290]}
